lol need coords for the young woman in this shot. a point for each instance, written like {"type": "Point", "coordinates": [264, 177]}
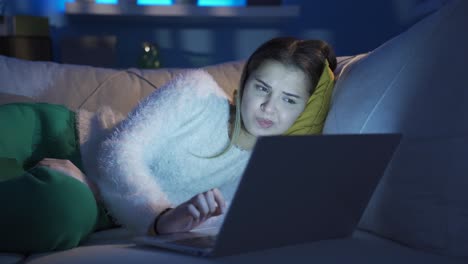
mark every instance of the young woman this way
{"type": "Point", "coordinates": [186, 145]}
{"type": "Point", "coordinates": [175, 160]}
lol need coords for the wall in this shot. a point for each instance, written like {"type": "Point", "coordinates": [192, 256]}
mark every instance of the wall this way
{"type": "Point", "coordinates": [350, 26]}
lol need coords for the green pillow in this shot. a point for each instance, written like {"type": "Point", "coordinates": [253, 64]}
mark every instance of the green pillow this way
{"type": "Point", "coordinates": [42, 209]}
{"type": "Point", "coordinates": [30, 132]}
{"type": "Point", "coordinates": [9, 169]}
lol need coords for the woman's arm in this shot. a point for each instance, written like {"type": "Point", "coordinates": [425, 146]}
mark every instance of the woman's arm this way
{"type": "Point", "coordinates": [128, 185]}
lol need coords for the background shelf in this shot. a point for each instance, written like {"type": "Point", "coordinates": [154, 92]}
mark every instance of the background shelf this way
{"type": "Point", "coordinates": [74, 8]}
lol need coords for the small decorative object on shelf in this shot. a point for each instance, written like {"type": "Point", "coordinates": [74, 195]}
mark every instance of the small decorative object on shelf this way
{"type": "Point", "coordinates": [150, 56]}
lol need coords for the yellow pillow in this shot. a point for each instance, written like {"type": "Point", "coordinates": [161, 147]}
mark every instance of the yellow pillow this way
{"type": "Point", "coordinates": [313, 117]}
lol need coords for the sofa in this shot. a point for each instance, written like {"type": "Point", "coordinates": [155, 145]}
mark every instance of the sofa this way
{"type": "Point", "coordinates": [414, 84]}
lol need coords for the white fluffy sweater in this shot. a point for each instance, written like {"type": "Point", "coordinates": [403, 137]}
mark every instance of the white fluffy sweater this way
{"type": "Point", "coordinates": [157, 157]}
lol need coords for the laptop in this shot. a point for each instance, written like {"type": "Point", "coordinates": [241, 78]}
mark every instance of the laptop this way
{"type": "Point", "coordinates": [295, 189]}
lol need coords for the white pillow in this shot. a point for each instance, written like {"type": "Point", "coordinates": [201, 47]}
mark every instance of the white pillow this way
{"type": "Point", "coordinates": [415, 84]}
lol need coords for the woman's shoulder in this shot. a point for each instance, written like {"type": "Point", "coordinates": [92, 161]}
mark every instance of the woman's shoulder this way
{"type": "Point", "coordinates": [188, 97]}
{"type": "Point", "coordinates": [195, 83]}
{"type": "Point", "coordinates": [189, 93]}
{"type": "Point", "coordinates": [189, 90]}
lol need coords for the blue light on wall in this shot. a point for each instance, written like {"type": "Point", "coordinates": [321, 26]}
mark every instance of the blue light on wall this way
{"type": "Point", "coordinates": [113, 2]}
{"type": "Point", "coordinates": [60, 4]}
{"type": "Point", "coordinates": [154, 2]}
{"type": "Point", "coordinates": [221, 2]}
{"type": "Point", "coordinates": [170, 2]}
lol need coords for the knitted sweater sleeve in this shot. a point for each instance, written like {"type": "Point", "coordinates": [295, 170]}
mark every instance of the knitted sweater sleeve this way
{"type": "Point", "coordinates": [129, 189]}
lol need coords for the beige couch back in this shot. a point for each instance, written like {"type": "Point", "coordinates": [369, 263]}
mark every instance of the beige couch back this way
{"type": "Point", "coordinates": [90, 87]}
{"type": "Point", "coordinates": [87, 87]}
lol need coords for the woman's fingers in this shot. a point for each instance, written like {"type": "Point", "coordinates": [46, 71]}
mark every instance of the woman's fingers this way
{"type": "Point", "coordinates": [210, 203]}
{"type": "Point", "coordinates": [201, 204]}
{"type": "Point", "coordinates": [219, 199]}
{"type": "Point", "coordinates": [193, 211]}
{"type": "Point", "coordinates": [210, 200]}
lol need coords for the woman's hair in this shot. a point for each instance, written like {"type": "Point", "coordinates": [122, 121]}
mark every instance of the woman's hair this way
{"type": "Point", "coordinates": [307, 55]}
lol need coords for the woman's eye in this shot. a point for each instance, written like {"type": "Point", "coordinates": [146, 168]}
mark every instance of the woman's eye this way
{"type": "Point", "coordinates": [289, 100]}
{"type": "Point", "coordinates": [261, 88]}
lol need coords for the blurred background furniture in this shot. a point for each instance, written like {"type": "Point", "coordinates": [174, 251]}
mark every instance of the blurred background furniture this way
{"type": "Point", "coordinates": [25, 37]}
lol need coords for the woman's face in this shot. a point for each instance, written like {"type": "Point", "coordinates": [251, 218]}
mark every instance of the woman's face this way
{"type": "Point", "coordinates": [273, 98]}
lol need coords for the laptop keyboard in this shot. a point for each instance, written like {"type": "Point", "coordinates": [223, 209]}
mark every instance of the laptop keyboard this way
{"type": "Point", "coordinates": [198, 242]}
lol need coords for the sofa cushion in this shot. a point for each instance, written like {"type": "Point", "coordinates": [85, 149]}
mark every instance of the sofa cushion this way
{"type": "Point", "coordinates": [415, 84]}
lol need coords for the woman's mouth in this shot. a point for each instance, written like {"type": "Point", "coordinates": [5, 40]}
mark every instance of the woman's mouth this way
{"type": "Point", "coordinates": [264, 123]}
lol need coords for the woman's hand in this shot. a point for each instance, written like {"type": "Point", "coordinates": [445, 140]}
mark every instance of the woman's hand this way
{"type": "Point", "coordinates": [68, 168]}
{"type": "Point", "coordinates": [192, 213]}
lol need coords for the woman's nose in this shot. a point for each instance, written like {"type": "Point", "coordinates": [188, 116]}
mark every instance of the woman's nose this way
{"type": "Point", "coordinates": [267, 106]}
